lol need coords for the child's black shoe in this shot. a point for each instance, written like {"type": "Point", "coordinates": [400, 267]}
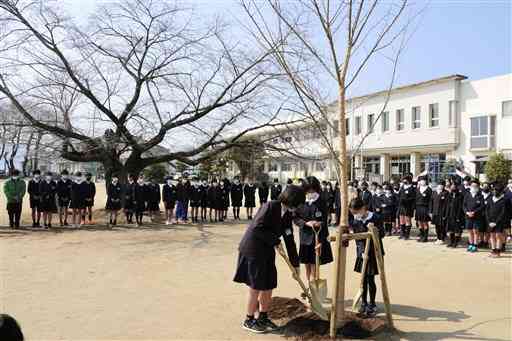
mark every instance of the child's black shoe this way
{"type": "Point", "coordinates": [253, 326]}
{"type": "Point", "coordinates": [362, 308]}
{"type": "Point", "coordinates": [371, 310]}
{"type": "Point", "coordinates": [267, 324]}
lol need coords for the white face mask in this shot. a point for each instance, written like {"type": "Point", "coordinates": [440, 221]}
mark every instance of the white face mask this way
{"type": "Point", "coordinates": [312, 197]}
{"type": "Point", "coordinates": [439, 188]}
{"type": "Point", "coordinates": [37, 176]}
{"type": "Point", "coordinates": [423, 183]}
{"type": "Point", "coordinates": [169, 182]}
{"type": "Point", "coordinates": [64, 177]}
{"type": "Point", "coordinates": [140, 181]}
{"type": "Point", "coordinates": [378, 192]}
{"type": "Point", "coordinates": [358, 216]}
{"type": "Point", "coordinates": [474, 190]}
{"type": "Point", "coordinates": [237, 182]}
{"type": "Point", "coordinates": [205, 183]}
{"type": "Point", "coordinates": [15, 177]}
{"type": "Point", "coordinates": [388, 193]}
{"type": "Point", "coordinates": [48, 178]}
{"type": "Point", "coordinates": [115, 180]}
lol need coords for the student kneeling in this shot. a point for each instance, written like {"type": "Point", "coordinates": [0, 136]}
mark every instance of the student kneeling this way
{"type": "Point", "coordinates": [256, 260]}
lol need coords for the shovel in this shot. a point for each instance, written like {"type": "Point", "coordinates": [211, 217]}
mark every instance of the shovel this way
{"type": "Point", "coordinates": [359, 294]}
{"type": "Point", "coordinates": [318, 286]}
{"type": "Point", "coordinates": [314, 303]}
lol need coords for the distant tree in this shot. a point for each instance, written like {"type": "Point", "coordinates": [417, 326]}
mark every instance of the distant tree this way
{"type": "Point", "coordinates": [156, 172]}
{"type": "Point", "coordinates": [181, 167]}
{"type": "Point", "coordinates": [497, 168]}
{"type": "Point", "coordinates": [248, 157]}
{"type": "Point", "coordinates": [449, 168]}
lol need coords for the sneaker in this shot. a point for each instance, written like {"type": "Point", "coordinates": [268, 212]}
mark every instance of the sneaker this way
{"type": "Point", "coordinates": [371, 310]}
{"type": "Point", "coordinates": [439, 242]}
{"type": "Point", "coordinates": [253, 326]}
{"type": "Point", "coordinates": [470, 248]}
{"type": "Point", "coordinates": [167, 222]}
{"type": "Point", "coordinates": [267, 324]}
{"type": "Point", "coordinates": [474, 248]}
{"type": "Point", "coordinates": [362, 308]}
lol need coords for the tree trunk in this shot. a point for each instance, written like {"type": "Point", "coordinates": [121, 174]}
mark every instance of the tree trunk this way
{"type": "Point", "coordinates": [27, 154]}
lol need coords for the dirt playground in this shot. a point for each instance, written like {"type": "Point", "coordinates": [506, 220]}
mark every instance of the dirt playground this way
{"type": "Point", "coordinates": [169, 283]}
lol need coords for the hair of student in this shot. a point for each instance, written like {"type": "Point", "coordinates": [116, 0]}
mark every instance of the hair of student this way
{"type": "Point", "coordinates": [475, 181]}
{"type": "Point", "coordinates": [15, 172]}
{"type": "Point", "coordinates": [364, 184]}
{"type": "Point", "coordinates": [115, 175]}
{"type": "Point", "coordinates": [37, 171]}
{"type": "Point", "coordinates": [49, 174]}
{"type": "Point", "coordinates": [388, 187]}
{"type": "Point", "coordinates": [312, 184]}
{"type": "Point", "coordinates": [467, 178]}
{"type": "Point", "coordinates": [10, 329]}
{"type": "Point", "coordinates": [64, 172]}
{"type": "Point", "coordinates": [78, 174]}
{"type": "Point", "coordinates": [379, 186]}
{"type": "Point", "coordinates": [293, 196]}
{"type": "Point", "coordinates": [357, 204]}
{"type": "Point", "coordinates": [289, 181]}
{"type": "Point", "coordinates": [276, 180]}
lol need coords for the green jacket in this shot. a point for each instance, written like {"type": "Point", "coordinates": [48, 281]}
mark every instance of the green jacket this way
{"type": "Point", "coordinates": [14, 190]}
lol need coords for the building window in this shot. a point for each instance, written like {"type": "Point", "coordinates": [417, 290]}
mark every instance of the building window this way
{"type": "Point", "coordinates": [416, 117]}
{"type": "Point", "coordinates": [400, 166]}
{"type": "Point", "coordinates": [319, 166]}
{"type": "Point", "coordinates": [335, 128]}
{"type": "Point", "coordinates": [453, 113]}
{"type": "Point", "coordinates": [286, 167]}
{"type": "Point", "coordinates": [483, 132]}
{"type": "Point", "coordinates": [372, 164]}
{"type": "Point", "coordinates": [433, 113]}
{"type": "Point", "coordinates": [371, 121]}
{"type": "Point", "coordinates": [400, 119]}
{"type": "Point", "coordinates": [358, 125]}
{"type": "Point", "coordinates": [347, 126]}
{"type": "Point", "coordinates": [506, 108]}
{"type": "Point", "coordinates": [385, 121]}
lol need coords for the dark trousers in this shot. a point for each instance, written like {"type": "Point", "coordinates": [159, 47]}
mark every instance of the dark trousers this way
{"type": "Point", "coordinates": [14, 211]}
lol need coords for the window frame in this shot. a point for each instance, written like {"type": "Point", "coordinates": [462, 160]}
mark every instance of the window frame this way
{"type": "Point", "coordinates": [385, 121]}
{"type": "Point", "coordinates": [431, 112]}
{"type": "Point", "coordinates": [416, 121]}
{"type": "Point", "coordinates": [400, 120]}
{"type": "Point", "coordinates": [358, 125]}
{"type": "Point", "coordinates": [370, 121]}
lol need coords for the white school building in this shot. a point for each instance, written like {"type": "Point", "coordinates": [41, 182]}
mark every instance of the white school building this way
{"type": "Point", "coordinates": [421, 127]}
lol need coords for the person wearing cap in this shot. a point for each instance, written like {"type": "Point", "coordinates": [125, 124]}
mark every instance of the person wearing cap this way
{"type": "Point", "coordinates": [14, 190]}
{"type": "Point", "coordinates": [64, 185]}
{"type": "Point", "coordinates": [35, 197]}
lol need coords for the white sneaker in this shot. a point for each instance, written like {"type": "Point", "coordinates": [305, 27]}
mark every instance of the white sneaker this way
{"type": "Point", "coordinates": [439, 242]}
{"type": "Point", "coordinates": [167, 222]}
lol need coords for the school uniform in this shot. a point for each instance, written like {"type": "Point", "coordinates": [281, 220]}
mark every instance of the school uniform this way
{"type": "Point", "coordinates": [437, 209]}
{"type": "Point", "coordinates": [48, 192]}
{"type": "Point", "coordinates": [129, 205]}
{"type": "Point", "coordinates": [359, 226]}
{"type": "Point", "coordinates": [181, 200]}
{"type": "Point", "coordinates": [250, 195]}
{"type": "Point", "coordinates": [90, 193]}
{"type": "Point", "coordinates": [263, 192]}
{"type": "Point", "coordinates": [195, 196]}
{"type": "Point", "coordinates": [423, 202]}
{"type": "Point", "coordinates": [473, 203]}
{"type": "Point", "coordinates": [313, 211]}
{"type": "Point", "coordinates": [499, 214]}
{"type": "Point", "coordinates": [204, 196]}
{"type": "Point", "coordinates": [114, 196]}
{"type": "Point", "coordinates": [407, 201]}
{"type": "Point", "coordinates": [487, 198]}
{"type": "Point", "coordinates": [169, 196]}
{"type": "Point", "coordinates": [33, 193]}
{"type": "Point", "coordinates": [213, 197]}
{"type": "Point", "coordinates": [223, 198]}
{"type": "Point", "coordinates": [366, 196]}
{"type": "Point", "coordinates": [385, 205]}
{"type": "Point", "coordinates": [140, 198]}
{"type": "Point", "coordinates": [275, 191]}
{"type": "Point", "coordinates": [256, 260]}
{"type": "Point", "coordinates": [454, 212]}
{"type": "Point", "coordinates": [78, 192]}
{"type": "Point", "coordinates": [154, 197]}
{"type": "Point", "coordinates": [237, 194]}
{"type": "Point", "coordinates": [64, 192]}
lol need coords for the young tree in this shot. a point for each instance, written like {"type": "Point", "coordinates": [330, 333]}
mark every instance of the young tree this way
{"type": "Point", "coordinates": [329, 44]}
{"type": "Point", "coordinates": [147, 71]}
{"type": "Point", "coordinates": [497, 169]}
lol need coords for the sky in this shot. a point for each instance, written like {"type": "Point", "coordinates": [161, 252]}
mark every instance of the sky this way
{"type": "Point", "coordinates": [469, 37]}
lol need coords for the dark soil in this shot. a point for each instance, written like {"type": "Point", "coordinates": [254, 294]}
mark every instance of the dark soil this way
{"type": "Point", "coordinates": [299, 324]}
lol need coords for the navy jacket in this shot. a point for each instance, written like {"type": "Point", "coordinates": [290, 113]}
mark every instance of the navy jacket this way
{"type": "Point", "coordinates": [499, 212]}
{"type": "Point", "coordinates": [169, 193]}
{"type": "Point", "coordinates": [315, 211]}
{"type": "Point", "coordinates": [64, 189]}
{"type": "Point", "coordinates": [474, 204]}
{"type": "Point", "coordinates": [265, 231]}
{"type": "Point", "coordinates": [275, 191]}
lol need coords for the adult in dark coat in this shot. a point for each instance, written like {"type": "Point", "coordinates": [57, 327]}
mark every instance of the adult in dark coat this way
{"type": "Point", "coordinates": [35, 197]}
{"type": "Point", "coordinates": [263, 192]}
{"type": "Point", "coordinates": [114, 198]}
{"type": "Point", "coordinates": [48, 192]}
{"type": "Point", "coordinates": [385, 204]}
{"type": "Point", "coordinates": [437, 209]}
{"type": "Point", "coordinates": [454, 215]}
{"type": "Point", "coordinates": [250, 198]}
{"type": "Point", "coordinates": [423, 202]}
{"type": "Point", "coordinates": [237, 194]}
{"type": "Point", "coordinates": [275, 190]}
{"type": "Point", "coordinates": [64, 186]}
{"type": "Point", "coordinates": [256, 260]}
{"type": "Point", "coordinates": [366, 196]}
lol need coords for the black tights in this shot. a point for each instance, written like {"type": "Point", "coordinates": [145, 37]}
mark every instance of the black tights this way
{"type": "Point", "coordinates": [369, 283]}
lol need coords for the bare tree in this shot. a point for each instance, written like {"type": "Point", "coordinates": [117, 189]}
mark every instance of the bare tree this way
{"type": "Point", "coordinates": [145, 71]}
{"type": "Point", "coordinates": [329, 44]}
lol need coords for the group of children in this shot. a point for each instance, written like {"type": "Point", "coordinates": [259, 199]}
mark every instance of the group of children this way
{"type": "Point", "coordinates": [452, 206]}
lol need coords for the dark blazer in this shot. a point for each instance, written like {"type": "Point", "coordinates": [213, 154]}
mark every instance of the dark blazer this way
{"type": "Point", "coordinates": [47, 190]}
{"type": "Point", "coordinates": [407, 197]}
{"type": "Point", "coordinates": [169, 193]}
{"type": "Point", "coordinates": [358, 226]}
{"type": "Point", "coordinates": [237, 194]}
{"type": "Point", "coordinates": [425, 198]}
{"type": "Point", "coordinates": [154, 193]}
{"type": "Point", "coordinates": [64, 189]}
{"type": "Point", "coordinates": [316, 211]}
{"type": "Point", "coordinates": [263, 193]}
{"type": "Point", "coordinates": [265, 231]}
{"type": "Point", "coordinates": [438, 203]}
{"type": "Point", "coordinates": [33, 189]}
{"type": "Point", "coordinates": [499, 212]}
{"type": "Point", "coordinates": [366, 197]}
{"type": "Point", "coordinates": [474, 204]}
{"type": "Point", "coordinates": [275, 191]}
{"type": "Point", "coordinates": [90, 191]}
{"type": "Point", "coordinates": [115, 192]}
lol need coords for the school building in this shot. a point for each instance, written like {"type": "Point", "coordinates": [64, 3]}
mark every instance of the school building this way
{"type": "Point", "coordinates": [413, 128]}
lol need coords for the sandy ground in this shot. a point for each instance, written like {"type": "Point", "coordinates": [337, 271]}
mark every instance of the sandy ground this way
{"type": "Point", "coordinates": [161, 283]}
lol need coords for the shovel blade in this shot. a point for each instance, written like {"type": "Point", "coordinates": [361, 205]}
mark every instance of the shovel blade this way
{"type": "Point", "coordinates": [320, 287]}
{"type": "Point", "coordinates": [317, 307]}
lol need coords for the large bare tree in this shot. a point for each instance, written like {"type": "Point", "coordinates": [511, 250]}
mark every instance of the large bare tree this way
{"type": "Point", "coordinates": [147, 73]}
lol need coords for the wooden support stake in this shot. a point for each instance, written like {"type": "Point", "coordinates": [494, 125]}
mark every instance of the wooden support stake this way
{"type": "Point", "coordinates": [352, 236]}
{"type": "Point", "coordinates": [380, 263]}
{"type": "Point", "coordinates": [338, 301]}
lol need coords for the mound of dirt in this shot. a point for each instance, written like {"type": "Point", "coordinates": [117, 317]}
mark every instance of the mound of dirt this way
{"type": "Point", "coordinates": [298, 323]}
